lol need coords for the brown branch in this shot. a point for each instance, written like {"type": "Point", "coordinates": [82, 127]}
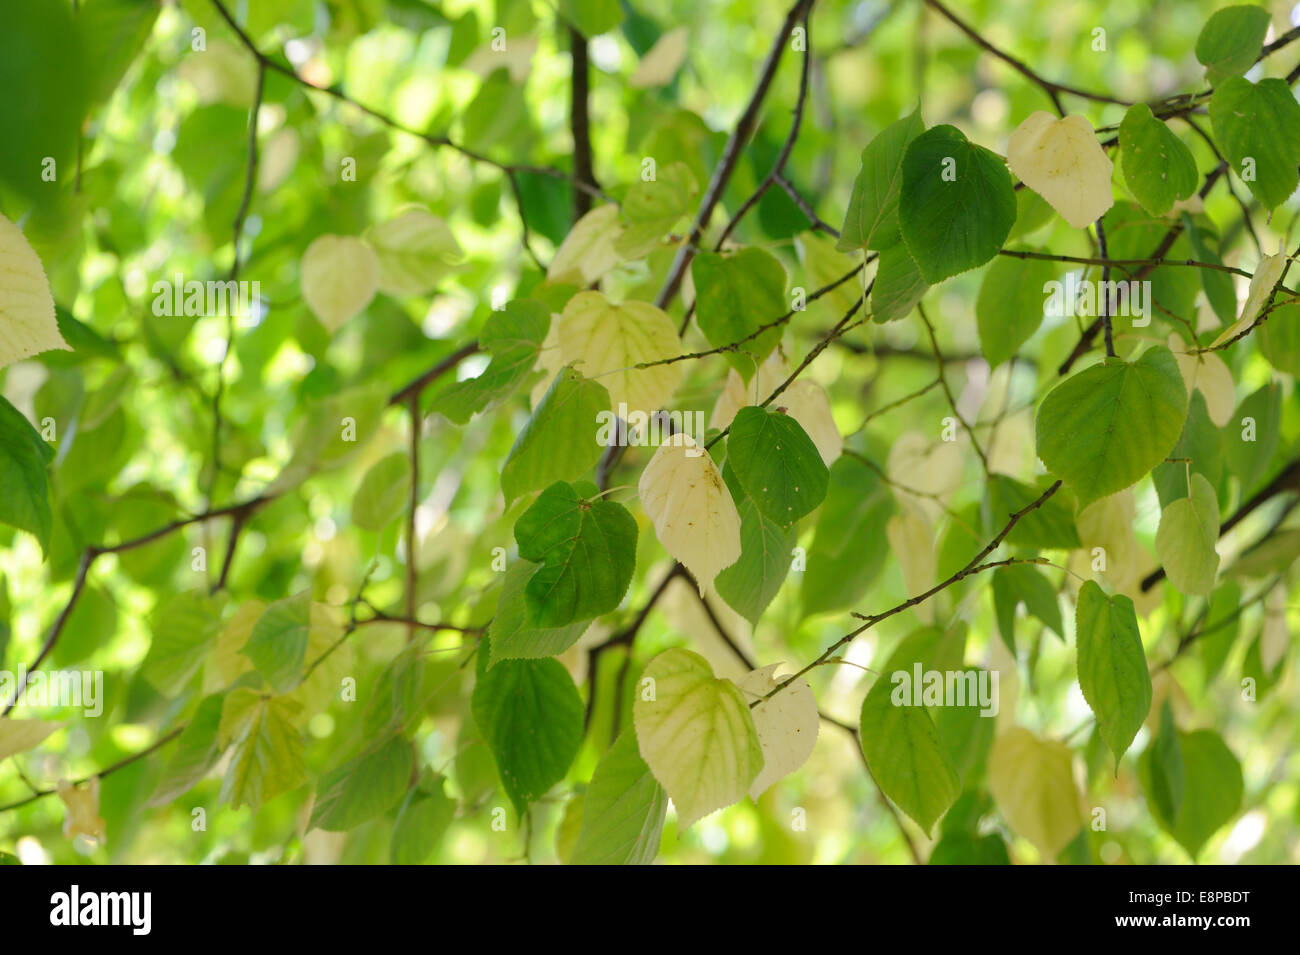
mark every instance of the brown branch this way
{"type": "Point", "coordinates": [580, 123]}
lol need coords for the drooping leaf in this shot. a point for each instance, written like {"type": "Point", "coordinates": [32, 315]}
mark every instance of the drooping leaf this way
{"type": "Point", "coordinates": [1033, 785]}
{"type": "Point", "coordinates": [871, 220]}
{"type": "Point", "coordinates": [735, 295]}
{"type": "Point", "coordinates": [1158, 167]}
{"type": "Point", "coordinates": [786, 724]}
{"type": "Point", "coordinates": [1189, 529]}
{"type": "Point", "coordinates": [1112, 666]}
{"type": "Point", "coordinates": [623, 812]}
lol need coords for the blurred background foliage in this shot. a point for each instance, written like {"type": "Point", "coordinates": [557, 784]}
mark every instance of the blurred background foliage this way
{"type": "Point", "coordinates": [151, 144]}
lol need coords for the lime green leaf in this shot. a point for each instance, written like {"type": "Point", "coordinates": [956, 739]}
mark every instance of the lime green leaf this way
{"type": "Point", "coordinates": [1158, 168]}
{"type": "Point", "coordinates": [184, 633]}
{"type": "Point", "coordinates": [1201, 444]}
{"type": "Point", "coordinates": [363, 788]}
{"type": "Point", "coordinates": [1112, 666]}
{"type": "Point", "coordinates": [592, 17]}
{"type": "Point", "coordinates": [871, 221]}
{"type": "Point", "coordinates": [587, 549]}
{"type": "Point", "coordinates": [511, 636]}
{"type": "Point", "coordinates": [696, 734]}
{"type": "Point", "coordinates": [383, 492]}
{"type": "Point", "coordinates": [422, 819]}
{"type": "Point", "coordinates": [905, 754]}
{"type": "Point", "coordinates": [267, 758]}
{"type": "Point", "coordinates": [590, 249]}
{"type": "Point", "coordinates": [1009, 308]}
{"type": "Point", "coordinates": [1231, 41]}
{"type": "Point", "coordinates": [1189, 528]}
{"type": "Point", "coordinates": [1105, 427]}
{"type": "Point", "coordinates": [1062, 161]}
{"type": "Point", "coordinates": [1023, 583]}
{"type": "Point", "coordinates": [18, 736]}
{"type": "Point", "coordinates": [1212, 789]}
{"type": "Point", "coordinates": [776, 463]}
{"type": "Point", "coordinates": [559, 441]}
{"type": "Point", "coordinates": [898, 285]}
{"type": "Point", "coordinates": [735, 295]}
{"type": "Point", "coordinates": [415, 250]}
{"type": "Point", "coordinates": [1257, 125]}
{"type": "Point", "coordinates": [530, 714]}
{"type": "Point", "coordinates": [195, 753]}
{"type": "Point", "coordinates": [278, 644]}
{"type": "Point", "coordinates": [623, 812]}
{"type": "Point", "coordinates": [24, 482]}
{"type": "Point", "coordinates": [957, 203]}
{"type": "Point", "coordinates": [1033, 785]}
{"type": "Point", "coordinates": [652, 209]}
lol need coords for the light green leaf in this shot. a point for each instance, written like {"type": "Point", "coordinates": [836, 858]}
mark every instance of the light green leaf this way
{"type": "Point", "coordinates": [415, 251]}
{"type": "Point", "coordinates": [195, 753]}
{"type": "Point", "coordinates": [1010, 305]}
{"type": "Point", "coordinates": [871, 221]}
{"type": "Point", "coordinates": [267, 758]}
{"type": "Point", "coordinates": [18, 736]}
{"type": "Point", "coordinates": [28, 325]}
{"type": "Point", "coordinates": [696, 734]}
{"type": "Point", "coordinates": [1024, 583]}
{"type": "Point", "coordinates": [735, 295]}
{"type": "Point", "coordinates": [1189, 529]}
{"type": "Point", "coordinates": [592, 17]}
{"type": "Point", "coordinates": [422, 819]}
{"type": "Point", "coordinates": [383, 492]}
{"type": "Point", "coordinates": [184, 633]}
{"type": "Point", "coordinates": [511, 636]}
{"type": "Point", "coordinates": [651, 210]}
{"type": "Point", "coordinates": [339, 277]}
{"type": "Point", "coordinates": [1112, 666]}
{"type": "Point", "coordinates": [905, 754]}
{"type": "Point", "coordinates": [278, 644]}
{"type": "Point", "coordinates": [587, 549]}
{"type": "Point", "coordinates": [898, 285]}
{"type": "Point", "coordinates": [1212, 789]}
{"type": "Point", "coordinates": [559, 441]}
{"type": "Point", "coordinates": [776, 463]}
{"type": "Point", "coordinates": [623, 812]}
{"type": "Point", "coordinates": [1105, 427]}
{"type": "Point", "coordinates": [363, 788]}
{"type": "Point", "coordinates": [858, 506]}
{"type": "Point", "coordinates": [1032, 783]}
{"type": "Point", "coordinates": [1231, 41]}
{"type": "Point", "coordinates": [957, 203]}
{"type": "Point", "coordinates": [1158, 167]}
{"type": "Point", "coordinates": [530, 714]}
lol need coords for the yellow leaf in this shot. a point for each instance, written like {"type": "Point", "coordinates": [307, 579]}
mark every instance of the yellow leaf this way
{"type": "Point", "coordinates": [18, 736]}
{"type": "Point", "coordinates": [83, 818]}
{"type": "Point", "coordinates": [1267, 274]}
{"type": "Point", "coordinates": [588, 252]}
{"type": "Point", "coordinates": [694, 517]}
{"type": "Point", "coordinates": [339, 275]}
{"type": "Point", "coordinates": [27, 323]}
{"type": "Point", "coordinates": [606, 340]}
{"type": "Point", "coordinates": [1208, 373]}
{"type": "Point", "coordinates": [1061, 160]}
{"type": "Point", "coordinates": [1032, 782]}
{"type": "Point", "coordinates": [661, 62]}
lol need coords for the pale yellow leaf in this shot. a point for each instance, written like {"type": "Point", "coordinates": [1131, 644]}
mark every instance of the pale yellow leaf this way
{"type": "Point", "coordinates": [27, 323]}
{"type": "Point", "coordinates": [787, 724]}
{"type": "Point", "coordinates": [82, 802]}
{"type": "Point", "coordinates": [1032, 782]}
{"type": "Point", "coordinates": [911, 540]}
{"type": "Point", "coordinates": [415, 250]}
{"type": "Point", "coordinates": [1062, 161]}
{"type": "Point", "coordinates": [588, 251]}
{"type": "Point", "coordinates": [1274, 636]}
{"type": "Point", "coordinates": [18, 736]}
{"type": "Point", "coordinates": [693, 514]}
{"type": "Point", "coordinates": [339, 276]}
{"type": "Point", "coordinates": [661, 61]}
{"type": "Point", "coordinates": [923, 473]}
{"type": "Point", "coordinates": [607, 340]}
{"type": "Point", "coordinates": [805, 401]}
{"type": "Point", "coordinates": [1267, 274]}
{"type": "Point", "coordinates": [1207, 373]}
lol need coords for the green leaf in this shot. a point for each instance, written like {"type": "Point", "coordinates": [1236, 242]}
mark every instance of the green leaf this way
{"type": "Point", "coordinates": [363, 788]}
{"type": "Point", "coordinates": [1050, 526]}
{"type": "Point", "coordinates": [1212, 789]}
{"type": "Point", "coordinates": [1010, 305]}
{"type": "Point", "coordinates": [513, 337]}
{"type": "Point", "coordinates": [422, 819]}
{"type": "Point", "coordinates": [623, 812]}
{"type": "Point", "coordinates": [383, 493]}
{"type": "Point", "coordinates": [267, 758]}
{"type": "Point", "coordinates": [1104, 428]}
{"type": "Point", "coordinates": [278, 644]}
{"type": "Point", "coordinates": [957, 203]}
{"type": "Point", "coordinates": [651, 210]}
{"type": "Point", "coordinates": [511, 636]}
{"type": "Point", "coordinates": [1112, 666]}
{"type": "Point", "coordinates": [777, 464]}
{"type": "Point", "coordinates": [195, 753]}
{"type": "Point", "coordinates": [905, 754]}
{"type": "Point", "coordinates": [1279, 339]}
{"type": "Point", "coordinates": [1251, 437]}
{"type": "Point", "coordinates": [1158, 167]}
{"type": "Point", "coordinates": [1023, 583]}
{"type": "Point", "coordinates": [530, 714]}
{"type": "Point", "coordinates": [114, 32]}
{"type": "Point", "coordinates": [898, 286]}
{"type": "Point", "coordinates": [871, 221]}
{"type": "Point", "coordinates": [1201, 443]}
{"type": "Point", "coordinates": [24, 483]}
{"type": "Point", "coordinates": [1257, 125]}
{"type": "Point", "coordinates": [1166, 763]}
{"type": "Point", "coordinates": [735, 295]}
{"type": "Point", "coordinates": [857, 508]}
{"type": "Point", "coordinates": [587, 549]}
{"type": "Point", "coordinates": [1189, 529]}
{"type": "Point", "coordinates": [1231, 41]}
{"type": "Point", "coordinates": [696, 734]}
{"type": "Point", "coordinates": [184, 633]}
{"type": "Point", "coordinates": [592, 17]}
{"type": "Point", "coordinates": [751, 583]}
{"type": "Point", "coordinates": [559, 441]}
